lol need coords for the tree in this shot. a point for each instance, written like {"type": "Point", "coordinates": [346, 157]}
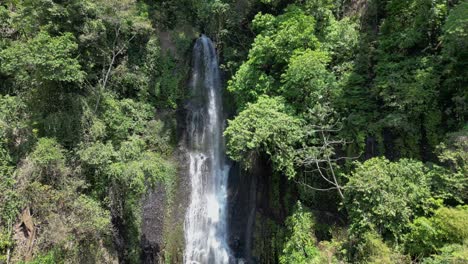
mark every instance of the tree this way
{"type": "Point", "coordinates": [265, 127]}
{"type": "Point", "coordinates": [120, 175]}
{"type": "Point", "coordinates": [300, 246]}
{"type": "Point", "coordinates": [318, 152]}
{"type": "Point", "coordinates": [428, 235]}
{"type": "Point", "coordinates": [386, 196]}
{"type": "Point", "coordinates": [268, 127]}
{"type": "Point", "coordinates": [278, 39]}
{"type": "Point", "coordinates": [78, 139]}
{"type": "Point", "coordinates": [452, 182]}
{"type": "Point", "coordinates": [42, 59]}
{"type": "Point", "coordinates": [454, 56]}
{"type": "Point", "coordinates": [307, 81]}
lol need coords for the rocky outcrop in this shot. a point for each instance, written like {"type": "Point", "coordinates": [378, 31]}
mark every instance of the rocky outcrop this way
{"type": "Point", "coordinates": [259, 202]}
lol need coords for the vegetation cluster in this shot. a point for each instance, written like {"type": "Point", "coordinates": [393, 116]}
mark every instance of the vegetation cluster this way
{"type": "Point", "coordinates": [361, 105]}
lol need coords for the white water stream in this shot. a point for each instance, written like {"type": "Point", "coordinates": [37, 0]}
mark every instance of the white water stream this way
{"type": "Point", "coordinates": [205, 223]}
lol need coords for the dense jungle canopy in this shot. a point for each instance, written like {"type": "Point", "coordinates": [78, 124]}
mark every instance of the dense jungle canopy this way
{"type": "Point", "coordinates": [354, 111]}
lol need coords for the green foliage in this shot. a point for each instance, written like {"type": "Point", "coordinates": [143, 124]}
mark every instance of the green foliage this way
{"type": "Point", "coordinates": [395, 76]}
{"type": "Point", "coordinates": [131, 177]}
{"type": "Point", "coordinates": [341, 39]}
{"type": "Point", "coordinates": [395, 200]}
{"type": "Point", "coordinates": [125, 117]}
{"type": "Point", "coordinates": [128, 168]}
{"type": "Point", "coordinates": [300, 245]}
{"type": "Point", "coordinates": [75, 225]}
{"type": "Point", "coordinates": [385, 196]}
{"type": "Point", "coordinates": [429, 235]}
{"type": "Point", "coordinates": [6, 243]}
{"type": "Point", "coordinates": [454, 31]}
{"type": "Point", "coordinates": [158, 137]}
{"type": "Point", "coordinates": [372, 249]}
{"type": "Point", "coordinates": [10, 201]}
{"type": "Point", "coordinates": [41, 59]}
{"type": "Point", "coordinates": [269, 245]}
{"type": "Point", "coordinates": [264, 127]}
{"type": "Point", "coordinates": [47, 186]}
{"type": "Point", "coordinates": [278, 39]}
{"type": "Point", "coordinates": [453, 152]}
{"type": "Point", "coordinates": [92, 216]}
{"type": "Point", "coordinates": [80, 81]}
{"type": "Point", "coordinates": [449, 254]}
{"type": "Point", "coordinates": [455, 56]}
{"type": "Point", "coordinates": [48, 160]}
{"type": "Point", "coordinates": [398, 76]}
{"type": "Point", "coordinates": [82, 84]}
{"type": "Point", "coordinates": [51, 257]}
{"type": "Point", "coordinates": [408, 88]}
{"type": "Point", "coordinates": [13, 136]}
{"type": "Point", "coordinates": [307, 81]}
{"type": "Point", "coordinates": [334, 250]}
{"type": "Point", "coordinates": [150, 75]}
{"type": "Point", "coordinates": [166, 88]}
{"type": "Point", "coordinates": [120, 175]}
{"type": "Point", "coordinates": [424, 18]}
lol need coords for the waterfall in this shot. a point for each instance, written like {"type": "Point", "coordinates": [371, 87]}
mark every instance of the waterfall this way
{"type": "Point", "coordinates": [205, 222]}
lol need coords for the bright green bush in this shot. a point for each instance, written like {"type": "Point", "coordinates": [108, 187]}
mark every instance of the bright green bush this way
{"type": "Point", "coordinates": [51, 257]}
{"type": "Point", "coordinates": [300, 246]}
{"type": "Point", "coordinates": [125, 117]}
{"type": "Point", "coordinates": [429, 235]}
{"type": "Point", "coordinates": [264, 127]}
{"type": "Point", "coordinates": [278, 39]}
{"type": "Point", "coordinates": [453, 183]}
{"type": "Point", "coordinates": [48, 159]}
{"type": "Point", "coordinates": [456, 254]}
{"type": "Point", "coordinates": [386, 196]}
{"type": "Point", "coordinates": [43, 58]}
{"type": "Point", "coordinates": [307, 81]}
{"type": "Point", "coordinates": [6, 243]}
{"type": "Point", "coordinates": [373, 250]}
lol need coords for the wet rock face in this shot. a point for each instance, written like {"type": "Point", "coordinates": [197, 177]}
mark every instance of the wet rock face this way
{"type": "Point", "coordinates": [242, 209]}
{"type": "Point", "coordinates": [150, 251]}
{"type": "Point", "coordinates": [163, 219]}
{"type": "Point", "coordinates": [256, 212]}
{"type": "Point", "coordinates": [242, 206]}
{"type": "Point", "coordinates": [153, 225]}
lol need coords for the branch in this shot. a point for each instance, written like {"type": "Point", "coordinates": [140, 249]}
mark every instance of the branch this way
{"type": "Point", "coordinates": [114, 55]}
{"type": "Point", "coordinates": [324, 129]}
{"type": "Point", "coordinates": [111, 64]}
{"type": "Point", "coordinates": [314, 188]}
{"type": "Point", "coordinates": [314, 170]}
{"type": "Point", "coordinates": [325, 178]}
{"type": "Point", "coordinates": [308, 161]}
{"type": "Point", "coordinates": [332, 170]}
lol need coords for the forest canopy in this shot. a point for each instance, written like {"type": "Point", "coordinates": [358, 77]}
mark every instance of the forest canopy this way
{"type": "Point", "coordinates": [357, 111]}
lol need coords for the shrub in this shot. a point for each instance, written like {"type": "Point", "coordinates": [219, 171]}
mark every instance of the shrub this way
{"type": "Point", "coordinates": [430, 234]}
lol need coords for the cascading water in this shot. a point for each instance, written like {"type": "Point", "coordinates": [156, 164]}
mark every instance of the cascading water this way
{"type": "Point", "coordinates": [205, 223]}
